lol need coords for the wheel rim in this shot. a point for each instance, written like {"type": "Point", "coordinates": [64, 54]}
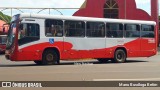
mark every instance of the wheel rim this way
{"type": "Point", "coordinates": [50, 57]}
{"type": "Point", "coordinates": [120, 56]}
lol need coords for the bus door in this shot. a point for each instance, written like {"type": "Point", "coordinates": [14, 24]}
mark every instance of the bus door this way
{"type": "Point", "coordinates": [148, 41]}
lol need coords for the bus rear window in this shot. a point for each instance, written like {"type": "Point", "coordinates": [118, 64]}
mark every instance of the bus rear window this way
{"type": "Point", "coordinates": [147, 31]}
{"type": "Point", "coordinates": [132, 30]}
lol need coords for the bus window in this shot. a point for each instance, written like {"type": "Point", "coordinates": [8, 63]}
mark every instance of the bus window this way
{"type": "Point", "coordinates": [29, 30]}
{"type": "Point", "coordinates": [54, 28]}
{"type": "Point", "coordinates": [114, 30]}
{"type": "Point", "coordinates": [28, 33]}
{"type": "Point", "coordinates": [147, 31]}
{"type": "Point", "coordinates": [132, 30]}
{"type": "Point", "coordinates": [95, 29]}
{"type": "Point", "coordinates": [74, 28]}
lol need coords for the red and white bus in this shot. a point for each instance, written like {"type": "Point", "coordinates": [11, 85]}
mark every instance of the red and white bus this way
{"type": "Point", "coordinates": [3, 39]}
{"type": "Point", "coordinates": [47, 39]}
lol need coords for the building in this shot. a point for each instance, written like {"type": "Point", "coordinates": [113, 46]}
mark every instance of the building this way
{"type": "Point", "coordinates": [3, 27]}
{"type": "Point", "coordinates": [122, 9]}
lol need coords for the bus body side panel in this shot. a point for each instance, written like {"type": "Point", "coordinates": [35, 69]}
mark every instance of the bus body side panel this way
{"type": "Point", "coordinates": [132, 46]}
{"type": "Point", "coordinates": [85, 48]}
{"type": "Point", "coordinates": [148, 47]}
{"type": "Point", "coordinates": [33, 51]}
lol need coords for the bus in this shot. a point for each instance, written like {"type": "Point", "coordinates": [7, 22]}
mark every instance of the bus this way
{"type": "Point", "coordinates": [47, 39]}
{"type": "Point", "coordinates": [3, 39]}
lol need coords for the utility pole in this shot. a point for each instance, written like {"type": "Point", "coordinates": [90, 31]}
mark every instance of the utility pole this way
{"type": "Point", "coordinates": [155, 14]}
{"type": "Point", "coordinates": [125, 9]}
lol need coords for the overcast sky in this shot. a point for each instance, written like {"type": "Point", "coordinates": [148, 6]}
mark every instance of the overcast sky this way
{"type": "Point", "coordinates": [143, 4]}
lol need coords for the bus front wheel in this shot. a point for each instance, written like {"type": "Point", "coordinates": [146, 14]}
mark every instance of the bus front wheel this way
{"type": "Point", "coordinates": [50, 57]}
{"type": "Point", "coordinates": [120, 56]}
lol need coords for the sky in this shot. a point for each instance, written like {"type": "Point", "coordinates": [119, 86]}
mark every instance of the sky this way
{"type": "Point", "coordinates": [142, 4]}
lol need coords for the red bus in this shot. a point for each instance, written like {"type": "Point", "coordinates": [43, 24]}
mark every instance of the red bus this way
{"type": "Point", "coordinates": [47, 39]}
{"type": "Point", "coordinates": [3, 39]}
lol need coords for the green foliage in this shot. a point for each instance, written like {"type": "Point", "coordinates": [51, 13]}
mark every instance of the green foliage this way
{"type": "Point", "coordinates": [5, 18]}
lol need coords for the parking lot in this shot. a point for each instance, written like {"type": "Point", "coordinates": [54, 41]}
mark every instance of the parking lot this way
{"type": "Point", "coordinates": [87, 70]}
{"type": "Point", "coordinates": [135, 69]}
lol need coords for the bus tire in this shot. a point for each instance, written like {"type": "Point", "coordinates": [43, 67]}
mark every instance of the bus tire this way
{"type": "Point", "coordinates": [120, 56]}
{"type": "Point", "coordinates": [102, 60]}
{"type": "Point", "coordinates": [50, 57]}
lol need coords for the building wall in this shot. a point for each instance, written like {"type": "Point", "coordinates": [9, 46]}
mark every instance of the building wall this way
{"type": "Point", "coordinates": [2, 26]}
{"type": "Point", "coordinates": [94, 8]}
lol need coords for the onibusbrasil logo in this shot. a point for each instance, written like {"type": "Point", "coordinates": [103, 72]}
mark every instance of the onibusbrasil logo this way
{"type": "Point", "coordinates": [20, 84]}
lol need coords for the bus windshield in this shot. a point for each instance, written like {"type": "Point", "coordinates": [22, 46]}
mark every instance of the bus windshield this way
{"type": "Point", "coordinates": [11, 35]}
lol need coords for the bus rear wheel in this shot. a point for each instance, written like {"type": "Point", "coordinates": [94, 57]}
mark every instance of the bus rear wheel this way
{"type": "Point", "coordinates": [103, 60]}
{"type": "Point", "coordinates": [50, 57]}
{"type": "Point", "coordinates": [120, 56]}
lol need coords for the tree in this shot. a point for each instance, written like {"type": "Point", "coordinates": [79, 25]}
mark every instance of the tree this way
{"type": "Point", "coordinates": [5, 18]}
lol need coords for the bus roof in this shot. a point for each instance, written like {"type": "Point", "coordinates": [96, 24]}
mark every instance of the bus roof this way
{"type": "Point", "coordinates": [43, 16]}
